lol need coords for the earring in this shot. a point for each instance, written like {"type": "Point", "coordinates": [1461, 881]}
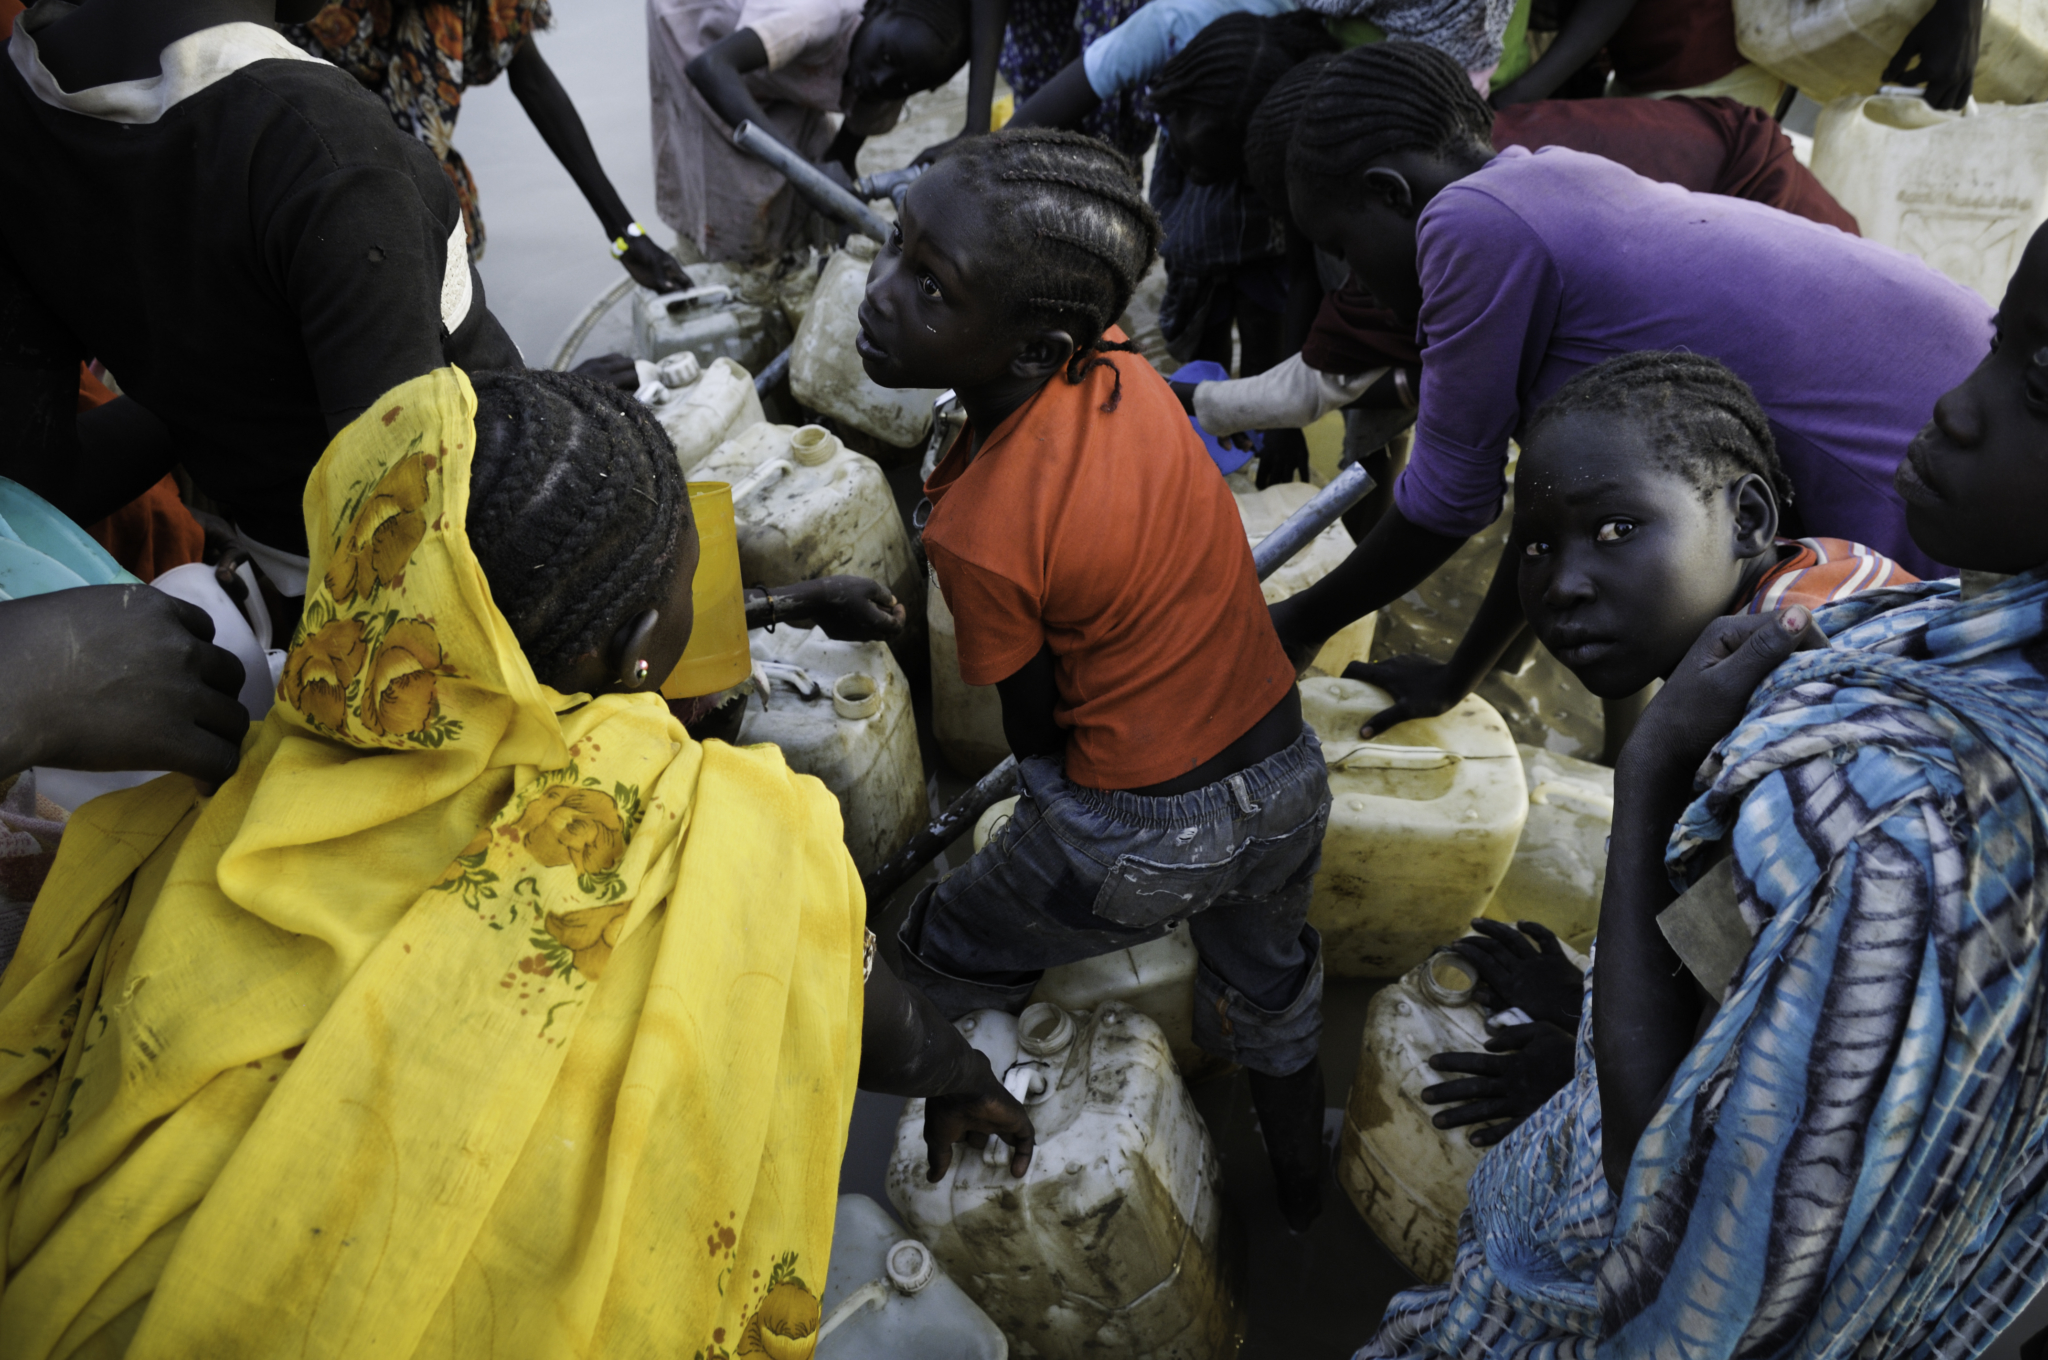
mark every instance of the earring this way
{"type": "Point", "coordinates": [640, 671]}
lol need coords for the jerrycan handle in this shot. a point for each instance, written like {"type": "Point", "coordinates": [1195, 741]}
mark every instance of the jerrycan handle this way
{"type": "Point", "coordinates": [683, 300]}
{"type": "Point", "coordinates": [1378, 755]}
{"type": "Point", "coordinates": [1589, 799]}
{"type": "Point", "coordinates": [761, 477]}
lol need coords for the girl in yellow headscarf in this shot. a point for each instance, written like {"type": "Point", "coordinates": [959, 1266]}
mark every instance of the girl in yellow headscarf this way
{"type": "Point", "coordinates": [482, 1012]}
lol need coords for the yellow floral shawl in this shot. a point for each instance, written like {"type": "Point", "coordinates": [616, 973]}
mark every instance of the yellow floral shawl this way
{"type": "Point", "coordinates": [466, 1019]}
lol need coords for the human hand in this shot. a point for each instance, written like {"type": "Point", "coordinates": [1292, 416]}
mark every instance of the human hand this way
{"type": "Point", "coordinates": [1535, 978]}
{"type": "Point", "coordinates": [1522, 1068]}
{"type": "Point", "coordinates": [653, 267]}
{"type": "Point", "coordinates": [1283, 457]}
{"type": "Point", "coordinates": [1421, 689]}
{"type": "Point", "coordinates": [848, 608]}
{"type": "Point", "coordinates": [971, 1116]}
{"type": "Point", "coordinates": [1944, 44]}
{"type": "Point", "coordinates": [118, 678]}
{"type": "Point", "coordinates": [613, 370]}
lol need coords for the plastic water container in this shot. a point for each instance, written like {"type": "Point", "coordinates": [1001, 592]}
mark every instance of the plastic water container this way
{"type": "Point", "coordinates": [729, 313]}
{"type": "Point", "coordinates": [1963, 191]}
{"type": "Point", "coordinates": [1265, 511]}
{"type": "Point", "coordinates": [1832, 48]}
{"type": "Point", "coordinates": [700, 407]}
{"type": "Point", "coordinates": [841, 711]}
{"type": "Point", "coordinates": [1114, 1243]}
{"type": "Point", "coordinates": [808, 506]}
{"type": "Point", "coordinates": [716, 657]}
{"type": "Point", "coordinates": [1560, 863]}
{"type": "Point", "coordinates": [886, 1298]}
{"type": "Point", "coordinates": [967, 720]}
{"type": "Point", "coordinates": [1423, 823]}
{"type": "Point", "coordinates": [825, 373]}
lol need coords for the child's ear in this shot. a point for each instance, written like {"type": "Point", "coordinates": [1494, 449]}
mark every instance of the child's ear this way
{"type": "Point", "coordinates": [627, 657]}
{"type": "Point", "coordinates": [1756, 515]}
{"type": "Point", "coordinates": [1392, 188]}
{"type": "Point", "coordinates": [1043, 355]}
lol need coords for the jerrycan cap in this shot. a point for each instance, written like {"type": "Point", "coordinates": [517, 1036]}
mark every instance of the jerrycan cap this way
{"type": "Point", "coordinates": [813, 445]}
{"type": "Point", "coordinates": [1044, 1029]}
{"type": "Point", "coordinates": [1448, 979]}
{"type": "Point", "coordinates": [910, 1266]}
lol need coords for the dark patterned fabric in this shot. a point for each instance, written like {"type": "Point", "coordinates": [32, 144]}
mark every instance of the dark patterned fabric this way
{"type": "Point", "coordinates": [1044, 35]}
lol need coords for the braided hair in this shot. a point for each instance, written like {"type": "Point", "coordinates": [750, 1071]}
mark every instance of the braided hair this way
{"type": "Point", "coordinates": [1380, 99]}
{"type": "Point", "coordinates": [1230, 65]}
{"type": "Point", "coordinates": [576, 509]}
{"type": "Point", "coordinates": [1271, 128]}
{"type": "Point", "coordinates": [1703, 421]}
{"type": "Point", "coordinates": [1079, 234]}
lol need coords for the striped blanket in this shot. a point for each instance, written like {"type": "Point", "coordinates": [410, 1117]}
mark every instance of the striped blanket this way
{"type": "Point", "coordinates": [1853, 1159]}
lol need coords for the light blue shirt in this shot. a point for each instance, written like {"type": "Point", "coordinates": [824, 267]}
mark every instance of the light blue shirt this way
{"type": "Point", "coordinates": [1134, 51]}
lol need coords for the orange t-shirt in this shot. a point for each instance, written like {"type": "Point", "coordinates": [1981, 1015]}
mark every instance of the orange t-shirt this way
{"type": "Point", "coordinates": [1110, 537]}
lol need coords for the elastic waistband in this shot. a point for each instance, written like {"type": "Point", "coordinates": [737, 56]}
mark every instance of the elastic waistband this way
{"type": "Point", "coordinates": [1228, 795]}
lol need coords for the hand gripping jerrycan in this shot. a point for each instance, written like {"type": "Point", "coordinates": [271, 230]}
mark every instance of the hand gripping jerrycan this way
{"type": "Point", "coordinates": [825, 372]}
{"type": "Point", "coordinates": [886, 1298]}
{"type": "Point", "coordinates": [967, 720]}
{"type": "Point", "coordinates": [1263, 512]}
{"type": "Point", "coordinates": [1116, 1242]}
{"type": "Point", "coordinates": [728, 312]}
{"type": "Point", "coordinates": [1833, 48]}
{"type": "Point", "coordinates": [1423, 822]}
{"type": "Point", "coordinates": [1560, 863]}
{"type": "Point", "coordinates": [1156, 978]}
{"type": "Point", "coordinates": [841, 711]}
{"type": "Point", "coordinates": [700, 406]}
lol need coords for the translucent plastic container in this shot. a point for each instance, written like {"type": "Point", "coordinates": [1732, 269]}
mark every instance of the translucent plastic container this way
{"type": "Point", "coordinates": [967, 720]}
{"type": "Point", "coordinates": [1423, 822]}
{"type": "Point", "coordinates": [716, 657]}
{"type": "Point", "coordinates": [825, 373]}
{"type": "Point", "coordinates": [1832, 48]}
{"type": "Point", "coordinates": [700, 406]}
{"type": "Point", "coordinates": [1560, 863]}
{"type": "Point", "coordinates": [729, 313]}
{"type": "Point", "coordinates": [1114, 1242]}
{"type": "Point", "coordinates": [1962, 191]}
{"type": "Point", "coordinates": [1263, 512]}
{"type": "Point", "coordinates": [886, 1298]}
{"type": "Point", "coordinates": [841, 711]}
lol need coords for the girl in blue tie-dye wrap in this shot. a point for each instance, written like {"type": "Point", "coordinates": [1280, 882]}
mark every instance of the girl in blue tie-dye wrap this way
{"type": "Point", "coordinates": [1851, 1157]}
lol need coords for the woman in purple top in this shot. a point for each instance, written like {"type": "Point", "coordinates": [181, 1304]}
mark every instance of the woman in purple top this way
{"type": "Point", "coordinates": [1519, 270]}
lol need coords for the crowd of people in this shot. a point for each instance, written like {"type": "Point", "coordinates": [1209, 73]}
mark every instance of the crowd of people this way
{"type": "Point", "coordinates": [285, 514]}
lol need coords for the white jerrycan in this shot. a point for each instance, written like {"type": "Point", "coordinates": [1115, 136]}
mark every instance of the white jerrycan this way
{"type": "Point", "coordinates": [825, 373]}
{"type": "Point", "coordinates": [886, 1298]}
{"type": "Point", "coordinates": [841, 711]}
{"type": "Point", "coordinates": [1113, 1244]}
{"type": "Point", "coordinates": [967, 720]}
{"type": "Point", "coordinates": [1962, 191]}
{"type": "Point", "coordinates": [1423, 822]}
{"type": "Point", "coordinates": [1560, 863]}
{"type": "Point", "coordinates": [700, 406]}
{"type": "Point", "coordinates": [1156, 978]}
{"type": "Point", "coordinates": [806, 506]}
{"type": "Point", "coordinates": [729, 312]}
{"type": "Point", "coordinates": [1265, 511]}
{"type": "Point", "coordinates": [1832, 48]}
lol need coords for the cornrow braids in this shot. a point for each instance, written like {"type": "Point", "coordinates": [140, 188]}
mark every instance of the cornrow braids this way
{"type": "Point", "coordinates": [1230, 65]}
{"type": "Point", "coordinates": [1079, 229]}
{"type": "Point", "coordinates": [1271, 128]}
{"type": "Point", "coordinates": [1380, 99]}
{"type": "Point", "coordinates": [576, 509]}
{"type": "Point", "coordinates": [1703, 421]}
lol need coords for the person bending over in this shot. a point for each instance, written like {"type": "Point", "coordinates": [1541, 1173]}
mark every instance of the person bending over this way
{"type": "Point", "coordinates": [1097, 572]}
{"type": "Point", "coordinates": [482, 1011]}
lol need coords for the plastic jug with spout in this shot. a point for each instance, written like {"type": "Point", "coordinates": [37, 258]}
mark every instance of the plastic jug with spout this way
{"type": "Point", "coordinates": [1560, 863]}
{"type": "Point", "coordinates": [825, 372]}
{"type": "Point", "coordinates": [700, 406]}
{"type": "Point", "coordinates": [1114, 1243]}
{"type": "Point", "coordinates": [1963, 191]}
{"type": "Point", "coordinates": [808, 506]}
{"type": "Point", "coordinates": [1423, 821]}
{"type": "Point", "coordinates": [728, 312]}
{"type": "Point", "coordinates": [967, 720]}
{"type": "Point", "coordinates": [1265, 511]}
{"type": "Point", "coordinates": [886, 1298]}
{"type": "Point", "coordinates": [841, 711]}
{"type": "Point", "coordinates": [1833, 48]}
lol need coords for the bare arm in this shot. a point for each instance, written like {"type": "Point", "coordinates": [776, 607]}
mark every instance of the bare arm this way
{"type": "Point", "coordinates": [1592, 23]}
{"type": "Point", "coordinates": [986, 22]}
{"type": "Point", "coordinates": [1424, 688]}
{"type": "Point", "coordinates": [1061, 102]}
{"type": "Point", "coordinates": [1396, 557]}
{"type": "Point", "coordinates": [1028, 697]}
{"type": "Point", "coordinates": [719, 73]}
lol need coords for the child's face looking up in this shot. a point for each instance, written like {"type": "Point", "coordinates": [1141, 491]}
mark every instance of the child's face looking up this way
{"type": "Point", "coordinates": [1623, 562]}
{"type": "Point", "coordinates": [1975, 481]}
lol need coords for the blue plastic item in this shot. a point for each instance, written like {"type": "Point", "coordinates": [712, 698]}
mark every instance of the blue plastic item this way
{"type": "Point", "coordinates": [1228, 459]}
{"type": "Point", "coordinates": [41, 550]}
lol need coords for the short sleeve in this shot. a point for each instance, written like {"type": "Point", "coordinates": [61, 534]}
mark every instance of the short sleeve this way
{"type": "Point", "coordinates": [998, 622]}
{"type": "Point", "coordinates": [1137, 49]}
{"type": "Point", "coordinates": [789, 28]}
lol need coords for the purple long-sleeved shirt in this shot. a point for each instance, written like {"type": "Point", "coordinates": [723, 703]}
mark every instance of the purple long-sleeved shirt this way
{"type": "Point", "coordinates": [1543, 264]}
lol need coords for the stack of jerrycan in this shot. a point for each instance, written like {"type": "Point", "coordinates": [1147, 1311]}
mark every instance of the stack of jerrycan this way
{"type": "Point", "coordinates": [1114, 1243]}
{"type": "Point", "coordinates": [1265, 511]}
{"type": "Point", "coordinates": [1560, 863]}
{"type": "Point", "coordinates": [886, 1298]}
{"type": "Point", "coordinates": [825, 371]}
{"type": "Point", "coordinates": [967, 720]}
{"type": "Point", "coordinates": [841, 711]}
{"type": "Point", "coordinates": [1834, 48]}
{"type": "Point", "coordinates": [807, 506]}
{"type": "Point", "coordinates": [699, 406]}
{"type": "Point", "coordinates": [729, 312]}
{"type": "Point", "coordinates": [1155, 979]}
{"type": "Point", "coordinates": [1423, 823]}
{"type": "Point", "coordinates": [1963, 191]}
{"type": "Point", "coordinates": [1407, 1177]}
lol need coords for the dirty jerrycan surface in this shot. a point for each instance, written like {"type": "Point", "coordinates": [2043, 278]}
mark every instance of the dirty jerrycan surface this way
{"type": "Point", "coordinates": [841, 711]}
{"type": "Point", "coordinates": [699, 406]}
{"type": "Point", "coordinates": [967, 720]}
{"type": "Point", "coordinates": [1833, 48]}
{"type": "Point", "coordinates": [1114, 1243]}
{"type": "Point", "coordinates": [825, 372]}
{"type": "Point", "coordinates": [728, 312]}
{"type": "Point", "coordinates": [1560, 863]}
{"type": "Point", "coordinates": [1423, 822]}
{"type": "Point", "coordinates": [887, 1299]}
{"type": "Point", "coordinates": [1265, 511]}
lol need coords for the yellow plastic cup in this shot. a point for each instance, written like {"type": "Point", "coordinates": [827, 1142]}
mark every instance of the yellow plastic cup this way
{"type": "Point", "coordinates": [717, 657]}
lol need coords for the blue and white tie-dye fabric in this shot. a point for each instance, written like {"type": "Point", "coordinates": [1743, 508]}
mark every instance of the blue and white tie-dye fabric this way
{"type": "Point", "coordinates": [1853, 1159]}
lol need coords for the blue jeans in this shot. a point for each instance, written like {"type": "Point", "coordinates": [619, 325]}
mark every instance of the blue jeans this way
{"type": "Point", "coordinates": [1078, 872]}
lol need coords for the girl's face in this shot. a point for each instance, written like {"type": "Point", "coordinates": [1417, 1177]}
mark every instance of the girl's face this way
{"type": "Point", "coordinates": [1624, 562]}
{"type": "Point", "coordinates": [1975, 481]}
